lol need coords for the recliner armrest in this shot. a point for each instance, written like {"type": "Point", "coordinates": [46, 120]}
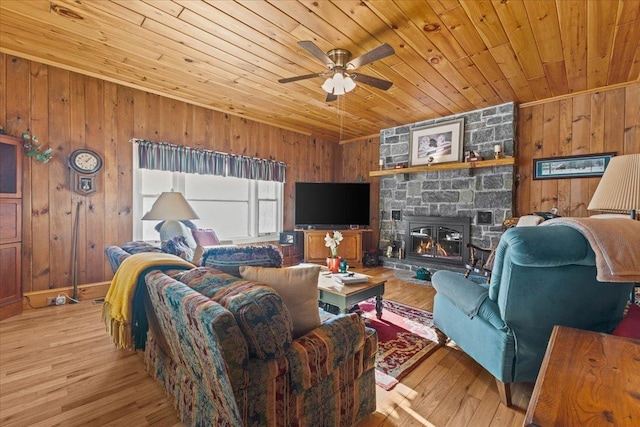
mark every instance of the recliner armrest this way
{"type": "Point", "coordinates": [465, 294]}
{"type": "Point", "coordinates": [490, 312]}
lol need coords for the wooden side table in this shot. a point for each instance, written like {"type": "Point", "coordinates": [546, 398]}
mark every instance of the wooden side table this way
{"type": "Point", "coordinates": [587, 379]}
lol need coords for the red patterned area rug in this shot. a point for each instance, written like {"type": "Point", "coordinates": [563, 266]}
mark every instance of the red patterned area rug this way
{"type": "Point", "coordinates": [406, 336]}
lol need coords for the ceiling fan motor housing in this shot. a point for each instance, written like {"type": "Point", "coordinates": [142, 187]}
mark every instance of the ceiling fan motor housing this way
{"type": "Point", "coordinates": [340, 57]}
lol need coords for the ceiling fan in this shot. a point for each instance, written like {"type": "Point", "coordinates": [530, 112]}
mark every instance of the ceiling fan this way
{"type": "Point", "coordinates": [340, 76]}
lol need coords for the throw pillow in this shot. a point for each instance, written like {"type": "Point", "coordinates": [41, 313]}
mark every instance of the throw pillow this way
{"type": "Point", "coordinates": [204, 239]}
{"type": "Point", "coordinates": [298, 288]}
{"type": "Point", "coordinates": [630, 325]}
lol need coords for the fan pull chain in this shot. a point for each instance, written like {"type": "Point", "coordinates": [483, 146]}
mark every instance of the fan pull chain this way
{"type": "Point", "coordinates": [341, 112]}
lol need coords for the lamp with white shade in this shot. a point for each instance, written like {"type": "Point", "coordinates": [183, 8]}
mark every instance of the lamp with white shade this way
{"type": "Point", "coordinates": [619, 187]}
{"type": "Point", "coordinates": [171, 207]}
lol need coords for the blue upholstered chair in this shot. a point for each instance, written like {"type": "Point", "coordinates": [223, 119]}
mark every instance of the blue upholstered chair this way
{"type": "Point", "coordinates": [542, 276]}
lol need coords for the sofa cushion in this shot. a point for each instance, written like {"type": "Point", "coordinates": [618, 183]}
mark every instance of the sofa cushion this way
{"type": "Point", "coordinates": [208, 281]}
{"type": "Point", "coordinates": [259, 311]}
{"type": "Point", "coordinates": [298, 287]}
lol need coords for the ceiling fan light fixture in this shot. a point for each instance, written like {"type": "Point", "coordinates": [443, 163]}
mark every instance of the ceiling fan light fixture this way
{"type": "Point", "coordinates": [338, 84]}
{"type": "Point", "coordinates": [340, 65]}
{"type": "Point", "coordinates": [349, 84]}
{"type": "Point", "coordinates": [327, 86]}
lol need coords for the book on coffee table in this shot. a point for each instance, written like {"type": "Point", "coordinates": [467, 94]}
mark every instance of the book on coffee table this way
{"type": "Point", "coordinates": [350, 278]}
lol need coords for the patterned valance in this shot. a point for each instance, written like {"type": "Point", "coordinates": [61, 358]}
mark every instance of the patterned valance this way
{"type": "Point", "coordinates": [178, 158]}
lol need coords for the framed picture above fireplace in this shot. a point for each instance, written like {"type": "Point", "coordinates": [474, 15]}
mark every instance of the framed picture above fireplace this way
{"type": "Point", "coordinates": [436, 143]}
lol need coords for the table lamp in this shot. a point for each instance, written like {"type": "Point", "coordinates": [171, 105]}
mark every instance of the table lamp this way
{"type": "Point", "coordinates": [619, 187]}
{"type": "Point", "coordinates": [171, 207]}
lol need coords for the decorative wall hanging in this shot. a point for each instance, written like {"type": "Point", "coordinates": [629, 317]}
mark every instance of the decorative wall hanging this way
{"type": "Point", "coordinates": [84, 165]}
{"type": "Point", "coordinates": [584, 166]}
{"type": "Point", "coordinates": [33, 149]}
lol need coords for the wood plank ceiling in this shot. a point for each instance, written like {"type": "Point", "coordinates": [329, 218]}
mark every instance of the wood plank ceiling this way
{"type": "Point", "coordinates": [451, 55]}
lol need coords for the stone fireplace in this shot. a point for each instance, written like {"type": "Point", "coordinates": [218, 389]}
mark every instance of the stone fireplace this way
{"type": "Point", "coordinates": [481, 198]}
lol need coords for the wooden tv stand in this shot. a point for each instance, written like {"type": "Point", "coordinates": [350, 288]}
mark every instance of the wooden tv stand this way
{"type": "Point", "coordinates": [351, 247]}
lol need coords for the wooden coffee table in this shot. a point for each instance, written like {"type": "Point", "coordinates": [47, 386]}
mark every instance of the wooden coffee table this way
{"type": "Point", "coordinates": [346, 296]}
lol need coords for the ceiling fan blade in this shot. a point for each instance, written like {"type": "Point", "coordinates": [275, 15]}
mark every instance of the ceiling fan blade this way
{"type": "Point", "coordinates": [331, 97]}
{"type": "Point", "coordinates": [314, 50]}
{"type": "Point", "coordinates": [372, 81]}
{"type": "Point", "coordinates": [296, 78]}
{"type": "Point", "coordinates": [379, 52]}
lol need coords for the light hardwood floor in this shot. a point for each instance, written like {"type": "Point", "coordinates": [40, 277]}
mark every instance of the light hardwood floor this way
{"type": "Point", "coordinates": [59, 368]}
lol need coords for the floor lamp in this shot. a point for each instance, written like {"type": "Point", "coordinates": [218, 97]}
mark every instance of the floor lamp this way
{"type": "Point", "coordinates": [619, 189]}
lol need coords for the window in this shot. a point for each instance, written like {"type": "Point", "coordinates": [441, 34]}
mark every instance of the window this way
{"type": "Point", "coordinates": [238, 209]}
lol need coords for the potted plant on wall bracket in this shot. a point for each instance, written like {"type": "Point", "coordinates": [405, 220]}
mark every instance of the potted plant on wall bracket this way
{"type": "Point", "coordinates": [333, 261]}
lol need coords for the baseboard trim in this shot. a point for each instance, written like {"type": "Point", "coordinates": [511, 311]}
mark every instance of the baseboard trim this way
{"type": "Point", "coordinates": [38, 299]}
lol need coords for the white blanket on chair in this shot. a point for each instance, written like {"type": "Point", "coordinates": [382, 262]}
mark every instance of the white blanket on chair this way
{"type": "Point", "coordinates": [616, 243]}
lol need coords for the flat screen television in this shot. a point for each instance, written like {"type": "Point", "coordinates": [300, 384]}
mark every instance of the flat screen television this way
{"type": "Point", "coordinates": [331, 205]}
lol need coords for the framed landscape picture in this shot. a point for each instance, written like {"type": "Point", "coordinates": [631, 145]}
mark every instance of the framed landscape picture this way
{"type": "Point", "coordinates": [436, 143]}
{"type": "Point", "coordinates": [589, 165]}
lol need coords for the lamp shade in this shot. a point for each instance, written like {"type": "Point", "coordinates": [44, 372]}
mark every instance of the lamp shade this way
{"type": "Point", "coordinates": [619, 187]}
{"type": "Point", "coordinates": [171, 206]}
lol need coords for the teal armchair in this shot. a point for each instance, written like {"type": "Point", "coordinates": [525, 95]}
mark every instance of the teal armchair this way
{"type": "Point", "coordinates": [542, 276]}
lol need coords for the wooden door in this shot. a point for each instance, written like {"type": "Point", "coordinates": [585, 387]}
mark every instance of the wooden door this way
{"type": "Point", "coordinates": [10, 226]}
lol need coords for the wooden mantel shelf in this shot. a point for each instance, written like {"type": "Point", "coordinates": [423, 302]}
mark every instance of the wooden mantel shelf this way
{"type": "Point", "coordinates": [445, 166]}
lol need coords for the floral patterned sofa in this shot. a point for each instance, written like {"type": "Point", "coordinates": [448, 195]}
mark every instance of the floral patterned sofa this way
{"type": "Point", "coordinates": [223, 348]}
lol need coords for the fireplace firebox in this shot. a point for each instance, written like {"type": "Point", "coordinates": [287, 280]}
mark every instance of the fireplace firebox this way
{"type": "Point", "coordinates": [437, 239]}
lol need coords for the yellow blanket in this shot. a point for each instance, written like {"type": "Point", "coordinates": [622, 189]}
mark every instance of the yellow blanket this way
{"type": "Point", "coordinates": [616, 243]}
{"type": "Point", "coordinates": [117, 311]}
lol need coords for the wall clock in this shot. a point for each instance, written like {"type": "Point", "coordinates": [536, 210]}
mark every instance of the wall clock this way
{"type": "Point", "coordinates": [84, 165]}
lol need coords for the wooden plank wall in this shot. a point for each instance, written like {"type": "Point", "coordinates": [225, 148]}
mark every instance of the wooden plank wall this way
{"type": "Point", "coordinates": [68, 111]}
{"type": "Point", "coordinates": [353, 162]}
{"type": "Point", "coordinates": [587, 123]}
